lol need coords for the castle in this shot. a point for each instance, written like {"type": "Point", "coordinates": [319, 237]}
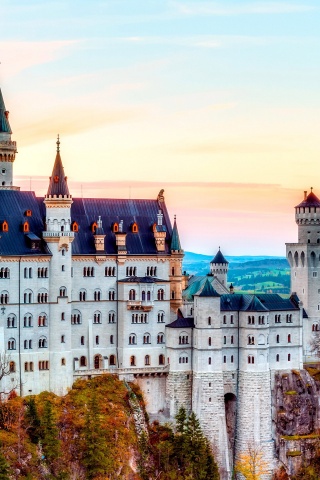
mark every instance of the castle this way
{"type": "Point", "coordinates": [89, 286]}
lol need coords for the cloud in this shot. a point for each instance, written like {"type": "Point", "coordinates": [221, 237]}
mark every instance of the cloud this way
{"type": "Point", "coordinates": [17, 56]}
{"type": "Point", "coordinates": [214, 8]}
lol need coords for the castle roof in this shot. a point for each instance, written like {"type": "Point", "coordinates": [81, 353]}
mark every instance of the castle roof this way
{"type": "Point", "coordinates": [58, 181]}
{"type": "Point", "coordinates": [182, 322]}
{"type": "Point", "coordinates": [4, 121]}
{"type": "Point", "coordinates": [253, 305]}
{"type": "Point", "coordinates": [245, 302]}
{"type": "Point", "coordinates": [208, 290]}
{"type": "Point", "coordinates": [310, 201]}
{"type": "Point", "coordinates": [175, 240]}
{"type": "Point", "coordinates": [219, 258]}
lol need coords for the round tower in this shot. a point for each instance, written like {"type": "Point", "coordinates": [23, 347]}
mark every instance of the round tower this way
{"type": "Point", "coordinates": [219, 268]}
{"type": "Point", "coordinates": [8, 149]}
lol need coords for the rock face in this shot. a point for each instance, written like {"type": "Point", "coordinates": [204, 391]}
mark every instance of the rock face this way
{"type": "Point", "coordinates": [296, 416]}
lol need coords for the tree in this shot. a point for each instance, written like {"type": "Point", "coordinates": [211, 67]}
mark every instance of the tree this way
{"type": "Point", "coordinates": [251, 464]}
{"type": "Point", "coordinates": [49, 433]}
{"type": "Point", "coordinates": [4, 468]}
{"type": "Point", "coordinates": [7, 367]}
{"type": "Point", "coordinates": [32, 420]}
{"type": "Point", "coordinates": [315, 344]}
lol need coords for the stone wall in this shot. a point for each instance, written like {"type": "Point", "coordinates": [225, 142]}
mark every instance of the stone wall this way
{"type": "Point", "coordinates": [178, 391]}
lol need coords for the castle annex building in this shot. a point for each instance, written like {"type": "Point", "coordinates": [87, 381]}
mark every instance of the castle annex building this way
{"type": "Point", "coordinates": [89, 286]}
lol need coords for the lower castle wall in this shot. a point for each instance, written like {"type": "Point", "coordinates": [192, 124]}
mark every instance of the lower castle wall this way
{"type": "Point", "coordinates": [179, 391]}
{"type": "Point", "coordinates": [254, 416]}
{"type": "Point", "coordinates": [154, 392]}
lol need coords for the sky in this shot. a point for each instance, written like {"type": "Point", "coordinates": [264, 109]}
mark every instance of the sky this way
{"type": "Point", "coordinates": [217, 102]}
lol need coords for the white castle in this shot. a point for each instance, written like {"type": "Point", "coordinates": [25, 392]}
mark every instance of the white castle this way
{"type": "Point", "coordinates": [92, 286]}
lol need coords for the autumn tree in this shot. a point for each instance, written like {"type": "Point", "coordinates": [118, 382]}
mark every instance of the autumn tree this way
{"type": "Point", "coordinates": [4, 468]}
{"type": "Point", "coordinates": [251, 464]}
{"type": "Point", "coordinates": [32, 420]}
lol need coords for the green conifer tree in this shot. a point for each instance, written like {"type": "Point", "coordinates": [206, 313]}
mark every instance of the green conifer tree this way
{"type": "Point", "coordinates": [32, 420]}
{"type": "Point", "coordinates": [49, 434]}
{"type": "Point", "coordinates": [4, 467]}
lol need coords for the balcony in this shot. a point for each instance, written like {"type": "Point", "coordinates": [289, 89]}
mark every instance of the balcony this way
{"type": "Point", "coordinates": [145, 306]}
{"type": "Point", "coordinates": [147, 370]}
{"type": "Point", "coordinates": [58, 234]}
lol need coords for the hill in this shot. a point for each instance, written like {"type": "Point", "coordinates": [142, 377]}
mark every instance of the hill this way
{"type": "Point", "coordinates": [247, 273]}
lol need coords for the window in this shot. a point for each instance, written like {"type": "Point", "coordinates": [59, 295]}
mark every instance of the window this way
{"type": "Point", "coordinates": [160, 338]}
{"type": "Point", "coordinates": [115, 228]}
{"type": "Point", "coordinates": [315, 327]}
{"type": "Point", "coordinates": [42, 342]}
{"type": "Point", "coordinates": [183, 359]}
{"type": "Point", "coordinates": [146, 338]}
{"type": "Point", "coordinates": [42, 272]}
{"type": "Point", "coordinates": [289, 357]}
{"type": "Point", "coordinates": [27, 344]}
{"type": "Point", "coordinates": [224, 359]}
{"type": "Point", "coordinates": [132, 294]}
{"type": "Point", "coordinates": [27, 320]}
{"type": "Point", "coordinates": [278, 338]}
{"type": "Point", "coordinates": [110, 271]}
{"type": "Point", "coordinates": [224, 340]}
{"type": "Point", "coordinates": [277, 319]}
{"type": "Point", "coordinates": [160, 317]}
{"type": "Point", "coordinates": [63, 362]}
{"type": "Point", "coordinates": [209, 341]}
{"type": "Point", "coordinates": [112, 360]}
{"type": "Point", "coordinates": [42, 297]}
{"type": "Point", "coordinates": [111, 339]}
{"type": "Point", "coordinates": [74, 227]}
{"type": "Point", "coordinates": [131, 271]}
{"type": "Point", "coordinates": [44, 365]}
{"type": "Point", "coordinates": [42, 320]}
{"type": "Point", "coordinates": [183, 339]}
{"type": "Point", "coordinates": [25, 227]}
{"type": "Point", "coordinates": [4, 298]}
{"type": "Point", "coordinates": [11, 344]}
{"type": "Point", "coordinates": [261, 320]}
{"type": "Point", "coordinates": [231, 359]}
{"type": "Point", "coordinates": [94, 227]}
{"type": "Point", "coordinates": [97, 317]}
{"type": "Point", "coordinates": [151, 271]}
{"type": "Point", "coordinates": [97, 339]}
{"type": "Point", "coordinates": [63, 316]}
{"type": "Point", "coordinates": [250, 320]}
{"type": "Point", "coordinates": [97, 362]}
{"type": "Point", "coordinates": [82, 295]}
{"type": "Point", "coordinates": [172, 295]}
{"type": "Point", "coordinates": [132, 361]}
{"type": "Point", "coordinates": [209, 320]}
{"type": "Point", "coordinates": [289, 318]}
{"type": "Point", "coordinates": [277, 357]}
{"type": "Point", "coordinates": [160, 294]}
{"type": "Point", "coordinates": [76, 318]}
{"type": "Point", "coordinates": [97, 295]}
{"type": "Point", "coordinates": [135, 228]}
{"type": "Point", "coordinates": [289, 338]}
{"type": "Point", "coordinates": [143, 295]}
{"type": "Point", "coordinates": [250, 340]}
{"type": "Point", "coordinates": [82, 340]}
{"type": "Point", "coordinates": [232, 340]}
{"type": "Point", "coordinates": [139, 318]}
{"type": "Point", "coordinates": [250, 359]}
{"type": "Point", "coordinates": [5, 226]}
{"type": "Point", "coordinates": [112, 317]}
{"type": "Point", "coordinates": [132, 339]}
{"type": "Point", "coordinates": [63, 292]}
{"type": "Point", "coordinates": [11, 321]}
{"type": "Point", "coordinates": [63, 339]}
{"type": "Point", "coordinates": [161, 359]}
{"type": "Point", "coordinates": [12, 367]}
{"type": "Point", "coordinates": [28, 367]}
{"type": "Point", "coordinates": [5, 272]}
{"type": "Point", "coordinates": [62, 268]}
{"type": "Point", "coordinates": [83, 361]}
{"type": "Point", "coordinates": [209, 360]}
{"type": "Point", "coordinates": [231, 319]}
{"type": "Point", "coordinates": [112, 295]}
{"type": "Point", "coordinates": [224, 319]}
{"type": "Point", "coordinates": [88, 271]}
{"type": "Point", "coordinates": [315, 274]}
{"type": "Point", "coordinates": [147, 360]}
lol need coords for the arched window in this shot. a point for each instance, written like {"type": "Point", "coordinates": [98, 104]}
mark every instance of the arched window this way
{"type": "Point", "coordinates": [63, 292]}
{"type": "Point", "coordinates": [160, 338]}
{"type": "Point", "coordinates": [224, 359]}
{"type": "Point", "coordinates": [5, 226]}
{"type": "Point", "coordinates": [11, 321]}
{"type": "Point", "coordinates": [231, 319]}
{"type": "Point", "coordinates": [135, 228]}
{"type": "Point", "coordinates": [132, 361]}
{"type": "Point", "coordinates": [115, 228]}
{"type": "Point", "coordinates": [209, 341]}
{"type": "Point", "coordinates": [25, 227]}
{"type": "Point", "coordinates": [147, 360]}
{"type": "Point", "coordinates": [12, 367]}
{"type": "Point", "coordinates": [43, 342]}
{"type": "Point", "coordinates": [209, 360]}
{"type": "Point", "coordinates": [231, 359]}
{"type": "Point", "coordinates": [111, 339]}
{"type": "Point", "coordinates": [161, 359]}
{"type": "Point", "coordinates": [97, 362]}
{"type": "Point", "coordinates": [132, 294]}
{"type": "Point", "coordinates": [27, 320]}
{"type": "Point", "coordinates": [250, 340]}
{"type": "Point", "coordinates": [63, 362]}
{"type": "Point", "coordinates": [146, 338]}
{"type": "Point", "coordinates": [82, 295]}
{"type": "Point", "coordinates": [97, 340]}
{"type": "Point", "coordinates": [112, 317]}
{"type": "Point", "coordinates": [11, 344]}
{"type": "Point", "coordinates": [97, 317]}
{"type": "Point", "coordinates": [143, 295]}
{"type": "Point", "coordinates": [94, 227]}
{"type": "Point", "coordinates": [43, 296]}
{"type": "Point", "coordinates": [231, 339]}
{"type": "Point", "coordinates": [74, 227]}
{"type": "Point", "coordinates": [132, 339]}
{"type": "Point", "coordinates": [76, 318]}
{"type": "Point", "coordinates": [82, 340]}
{"type": "Point", "coordinates": [224, 319]}
{"type": "Point", "coordinates": [289, 338]}
{"type": "Point", "coordinates": [63, 340]}
{"type": "Point", "coordinates": [42, 320]}
{"type": "Point", "coordinates": [5, 272]}
{"type": "Point", "coordinates": [160, 317]}
{"type": "Point", "coordinates": [4, 298]}
{"type": "Point", "coordinates": [112, 360]}
{"type": "Point", "coordinates": [97, 295]}
{"type": "Point", "coordinates": [277, 357]}
{"type": "Point", "coordinates": [209, 320]}
{"type": "Point", "coordinates": [289, 357]}
{"type": "Point", "coordinates": [83, 361]}
{"type": "Point", "coordinates": [111, 294]}
{"type": "Point", "coordinates": [250, 359]}
{"type": "Point", "coordinates": [160, 294]}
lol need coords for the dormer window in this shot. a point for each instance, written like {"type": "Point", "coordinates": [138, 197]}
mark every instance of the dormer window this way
{"type": "Point", "coordinates": [94, 227]}
{"type": "Point", "coordinates": [56, 178]}
{"type": "Point", "coordinates": [25, 227]}
{"type": "Point", "coordinates": [134, 228]}
{"type": "Point", "coordinates": [75, 227]}
{"type": "Point", "coordinates": [5, 226]}
{"type": "Point", "coordinates": [115, 227]}
{"type": "Point", "coordinates": [28, 213]}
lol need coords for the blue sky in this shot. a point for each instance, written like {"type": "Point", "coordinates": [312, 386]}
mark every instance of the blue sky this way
{"type": "Point", "coordinates": [217, 102]}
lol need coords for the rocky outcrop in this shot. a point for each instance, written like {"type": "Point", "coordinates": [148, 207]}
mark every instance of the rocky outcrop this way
{"type": "Point", "coordinates": [296, 416]}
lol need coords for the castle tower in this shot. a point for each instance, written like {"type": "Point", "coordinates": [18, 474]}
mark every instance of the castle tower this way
{"type": "Point", "coordinates": [59, 238]}
{"type": "Point", "coordinates": [219, 268]}
{"type": "Point", "coordinates": [8, 149]}
{"type": "Point", "coordinates": [303, 258]}
{"type": "Point", "coordinates": [175, 270]}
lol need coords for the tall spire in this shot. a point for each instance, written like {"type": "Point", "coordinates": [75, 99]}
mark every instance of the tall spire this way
{"type": "Point", "coordinates": [58, 181]}
{"type": "Point", "coordinates": [175, 240]}
{"type": "Point", "coordinates": [4, 117]}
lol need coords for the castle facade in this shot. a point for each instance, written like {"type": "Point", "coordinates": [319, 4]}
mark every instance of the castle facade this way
{"type": "Point", "coordinates": [91, 286]}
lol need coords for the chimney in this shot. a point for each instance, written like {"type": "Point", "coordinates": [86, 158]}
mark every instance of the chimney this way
{"type": "Point", "coordinates": [305, 195]}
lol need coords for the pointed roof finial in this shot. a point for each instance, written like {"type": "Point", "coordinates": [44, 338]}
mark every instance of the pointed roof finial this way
{"type": "Point", "coordinates": [58, 181]}
{"type": "Point", "coordinates": [58, 144]}
{"type": "Point", "coordinates": [311, 189]}
{"type": "Point", "coordinates": [175, 240]}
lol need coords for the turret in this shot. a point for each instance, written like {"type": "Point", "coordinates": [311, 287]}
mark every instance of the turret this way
{"type": "Point", "coordinates": [307, 215]}
{"type": "Point", "coordinates": [8, 149]}
{"type": "Point", "coordinates": [219, 267]}
{"type": "Point", "coordinates": [175, 269]}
